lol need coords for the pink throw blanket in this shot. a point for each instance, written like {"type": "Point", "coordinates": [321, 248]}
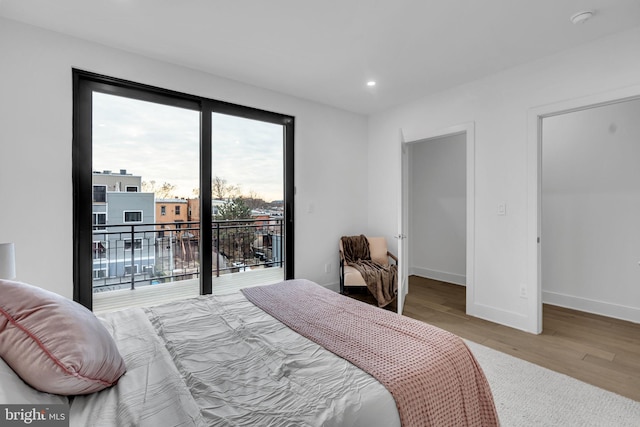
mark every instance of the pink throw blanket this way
{"type": "Point", "coordinates": [431, 374]}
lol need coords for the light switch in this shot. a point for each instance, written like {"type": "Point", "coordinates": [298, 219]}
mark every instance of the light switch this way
{"type": "Point", "coordinates": [502, 209]}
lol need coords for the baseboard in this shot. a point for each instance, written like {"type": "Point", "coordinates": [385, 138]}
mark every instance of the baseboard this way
{"type": "Point", "coordinates": [334, 286]}
{"type": "Point", "coordinates": [456, 279]}
{"type": "Point", "coordinates": [617, 311]}
{"type": "Point", "coordinates": [500, 316]}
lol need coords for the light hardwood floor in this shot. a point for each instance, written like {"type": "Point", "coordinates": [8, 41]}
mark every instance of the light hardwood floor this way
{"type": "Point", "coordinates": [595, 349]}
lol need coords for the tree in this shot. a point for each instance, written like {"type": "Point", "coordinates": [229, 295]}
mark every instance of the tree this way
{"type": "Point", "coordinates": [221, 190]}
{"type": "Point", "coordinates": [234, 209]}
{"type": "Point", "coordinates": [149, 186]}
{"type": "Point", "coordinates": [233, 241]}
{"type": "Point", "coordinates": [164, 192]}
{"type": "Point", "coordinates": [254, 201]}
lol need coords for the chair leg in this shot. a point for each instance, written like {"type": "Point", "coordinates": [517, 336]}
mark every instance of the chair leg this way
{"type": "Point", "coordinates": [341, 273]}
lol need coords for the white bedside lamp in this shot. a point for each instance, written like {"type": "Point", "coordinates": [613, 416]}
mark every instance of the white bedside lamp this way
{"type": "Point", "coordinates": [7, 261]}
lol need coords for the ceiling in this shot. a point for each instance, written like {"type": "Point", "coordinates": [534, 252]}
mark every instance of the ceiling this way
{"type": "Point", "coordinates": [327, 50]}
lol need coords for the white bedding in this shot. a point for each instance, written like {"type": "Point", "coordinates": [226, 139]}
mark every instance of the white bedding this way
{"type": "Point", "coordinates": [219, 360]}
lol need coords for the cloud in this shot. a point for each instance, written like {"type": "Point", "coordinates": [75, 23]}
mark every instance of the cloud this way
{"type": "Point", "coordinates": [161, 143]}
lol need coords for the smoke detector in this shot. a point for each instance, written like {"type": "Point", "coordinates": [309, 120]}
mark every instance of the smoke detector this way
{"type": "Point", "coordinates": [581, 17]}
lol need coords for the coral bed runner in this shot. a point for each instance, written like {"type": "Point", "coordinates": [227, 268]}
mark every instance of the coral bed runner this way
{"type": "Point", "coordinates": [432, 375]}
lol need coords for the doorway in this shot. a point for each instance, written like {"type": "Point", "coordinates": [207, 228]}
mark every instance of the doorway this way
{"type": "Point", "coordinates": [537, 235]}
{"type": "Point", "coordinates": [590, 205]}
{"type": "Point", "coordinates": [437, 213]}
{"type": "Point", "coordinates": [450, 206]}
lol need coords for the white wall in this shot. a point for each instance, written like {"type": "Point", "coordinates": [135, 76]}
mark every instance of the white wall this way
{"type": "Point", "coordinates": [438, 231]}
{"type": "Point", "coordinates": [591, 210]}
{"type": "Point", "coordinates": [35, 151]}
{"type": "Point", "coordinates": [499, 107]}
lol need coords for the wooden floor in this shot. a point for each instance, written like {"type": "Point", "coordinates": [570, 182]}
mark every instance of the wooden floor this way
{"type": "Point", "coordinates": [595, 349]}
{"type": "Point", "coordinates": [598, 350]}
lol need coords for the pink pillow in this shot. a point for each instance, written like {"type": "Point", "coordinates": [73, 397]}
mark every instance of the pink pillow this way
{"type": "Point", "coordinates": [55, 344]}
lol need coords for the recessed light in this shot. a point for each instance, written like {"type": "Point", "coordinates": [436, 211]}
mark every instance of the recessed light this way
{"type": "Point", "coordinates": [581, 17]}
{"type": "Point", "coordinates": [371, 83]}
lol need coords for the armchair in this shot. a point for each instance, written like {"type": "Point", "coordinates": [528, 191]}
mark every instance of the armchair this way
{"type": "Point", "coordinates": [350, 277]}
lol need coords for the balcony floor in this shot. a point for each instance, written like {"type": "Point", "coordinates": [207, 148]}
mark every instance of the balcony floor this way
{"type": "Point", "coordinates": [144, 296]}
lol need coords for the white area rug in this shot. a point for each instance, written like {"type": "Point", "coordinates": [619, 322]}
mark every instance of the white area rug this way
{"type": "Point", "coordinates": [530, 395]}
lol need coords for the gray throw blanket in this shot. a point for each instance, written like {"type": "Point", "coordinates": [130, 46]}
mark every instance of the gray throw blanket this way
{"type": "Point", "coordinates": [381, 280]}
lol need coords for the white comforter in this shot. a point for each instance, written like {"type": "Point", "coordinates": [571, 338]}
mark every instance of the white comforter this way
{"type": "Point", "coordinates": [221, 361]}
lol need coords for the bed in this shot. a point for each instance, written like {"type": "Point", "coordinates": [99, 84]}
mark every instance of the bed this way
{"type": "Point", "coordinates": [224, 360]}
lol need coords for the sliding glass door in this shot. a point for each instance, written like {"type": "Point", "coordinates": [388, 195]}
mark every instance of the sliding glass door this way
{"type": "Point", "coordinates": [145, 183]}
{"type": "Point", "coordinates": [176, 194]}
{"type": "Point", "coordinates": [247, 162]}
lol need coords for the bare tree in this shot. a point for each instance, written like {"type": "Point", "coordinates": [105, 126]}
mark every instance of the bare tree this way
{"type": "Point", "coordinates": [163, 192]}
{"type": "Point", "coordinates": [254, 201]}
{"type": "Point", "coordinates": [166, 191]}
{"type": "Point", "coordinates": [221, 190]}
{"type": "Point", "coordinates": [149, 186]}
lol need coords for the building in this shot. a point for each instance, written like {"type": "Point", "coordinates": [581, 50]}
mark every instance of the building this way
{"type": "Point", "coordinates": [178, 237]}
{"type": "Point", "coordinates": [116, 182]}
{"type": "Point", "coordinates": [169, 214]}
{"type": "Point", "coordinates": [124, 236]}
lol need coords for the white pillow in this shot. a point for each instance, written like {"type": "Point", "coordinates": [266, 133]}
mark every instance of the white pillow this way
{"type": "Point", "coordinates": [15, 391]}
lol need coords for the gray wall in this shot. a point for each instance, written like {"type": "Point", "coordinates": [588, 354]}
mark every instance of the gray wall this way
{"type": "Point", "coordinates": [118, 202]}
{"type": "Point", "coordinates": [438, 209]}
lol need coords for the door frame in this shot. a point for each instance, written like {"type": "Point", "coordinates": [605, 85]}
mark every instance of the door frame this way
{"type": "Point", "coordinates": [535, 238]}
{"type": "Point", "coordinates": [84, 84]}
{"type": "Point", "coordinates": [469, 130]}
{"type": "Point", "coordinates": [403, 223]}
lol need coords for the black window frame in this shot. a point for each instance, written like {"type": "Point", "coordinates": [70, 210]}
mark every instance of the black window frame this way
{"type": "Point", "coordinates": [131, 268]}
{"type": "Point", "coordinates": [102, 193]}
{"type": "Point", "coordinates": [84, 84]}
{"type": "Point", "coordinates": [95, 223]}
{"type": "Point", "coordinates": [137, 244]}
{"type": "Point", "coordinates": [130, 221]}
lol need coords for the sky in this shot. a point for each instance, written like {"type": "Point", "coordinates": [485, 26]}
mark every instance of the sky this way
{"type": "Point", "coordinates": [161, 143]}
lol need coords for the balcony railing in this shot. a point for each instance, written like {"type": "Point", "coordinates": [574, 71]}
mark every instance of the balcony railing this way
{"type": "Point", "coordinates": [132, 255]}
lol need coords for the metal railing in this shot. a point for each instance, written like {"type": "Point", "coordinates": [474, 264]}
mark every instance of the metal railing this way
{"type": "Point", "coordinates": [131, 255]}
